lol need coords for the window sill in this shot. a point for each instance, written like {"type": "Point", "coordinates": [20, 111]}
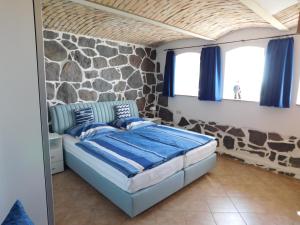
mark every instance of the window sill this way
{"type": "Point", "coordinates": [228, 100]}
{"type": "Point", "coordinates": [225, 99]}
{"type": "Point", "coordinates": [193, 96]}
{"type": "Point", "coordinates": [239, 100]}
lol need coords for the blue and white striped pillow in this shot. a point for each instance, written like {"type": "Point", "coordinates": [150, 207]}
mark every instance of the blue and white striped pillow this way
{"type": "Point", "coordinates": [85, 115]}
{"type": "Point", "coordinates": [122, 111]}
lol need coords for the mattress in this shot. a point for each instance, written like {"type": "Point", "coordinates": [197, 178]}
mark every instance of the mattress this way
{"type": "Point", "coordinates": [197, 154]}
{"type": "Point", "coordinates": [133, 184]}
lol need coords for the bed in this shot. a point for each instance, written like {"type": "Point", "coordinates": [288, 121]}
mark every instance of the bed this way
{"type": "Point", "coordinates": [132, 194]}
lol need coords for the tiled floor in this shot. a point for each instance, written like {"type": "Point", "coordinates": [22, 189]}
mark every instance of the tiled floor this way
{"type": "Point", "coordinates": [232, 194]}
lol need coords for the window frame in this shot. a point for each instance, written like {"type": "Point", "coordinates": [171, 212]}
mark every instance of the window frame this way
{"type": "Point", "coordinates": [226, 48]}
{"type": "Point", "coordinates": [296, 90]}
{"type": "Point", "coordinates": [298, 95]}
{"type": "Point", "coordinates": [178, 52]}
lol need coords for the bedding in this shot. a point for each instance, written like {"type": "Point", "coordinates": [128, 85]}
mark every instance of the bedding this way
{"type": "Point", "coordinates": [191, 157]}
{"type": "Point", "coordinates": [171, 136]}
{"type": "Point", "coordinates": [83, 116]}
{"type": "Point", "coordinates": [126, 123]}
{"type": "Point", "coordinates": [77, 131]}
{"type": "Point", "coordinates": [130, 157]}
{"type": "Point", "coordinates": [129, 184]}
{"type": "Point", "coordinates": [139, 149]}
{"type": "Point", "coordinates": [122, 111]}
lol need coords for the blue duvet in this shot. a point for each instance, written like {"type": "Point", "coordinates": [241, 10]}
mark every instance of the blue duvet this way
{"type": "Point", "coordinates": [145, 147]}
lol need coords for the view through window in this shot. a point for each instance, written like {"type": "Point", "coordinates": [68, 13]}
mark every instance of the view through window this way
{"type": "Point", "coordinates": [244, 67]}
{"type": "Point", "coordinates": [187, 71]}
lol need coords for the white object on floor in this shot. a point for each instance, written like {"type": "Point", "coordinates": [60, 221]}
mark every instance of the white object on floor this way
{"type": "Point", "coordinates": [56, 153]}
{"type": "Point", "coordinates": [131, 185]}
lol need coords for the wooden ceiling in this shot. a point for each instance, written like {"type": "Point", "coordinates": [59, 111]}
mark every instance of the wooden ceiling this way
{"type": "Point", "coordinates": [153, 22]}
{"type": "Point", "coordinates": [289, 16]}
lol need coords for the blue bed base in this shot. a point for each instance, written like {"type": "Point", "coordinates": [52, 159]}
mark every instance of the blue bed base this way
{"type": "Point", "coordinates": [131, 203]}
{"type": "Point", "coordinates": [135, 203]}
{"type": "Point", "coordinates": [193, 172]}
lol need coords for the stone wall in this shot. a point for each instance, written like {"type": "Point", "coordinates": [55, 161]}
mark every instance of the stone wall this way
{"type": "Point", "coordinates": [265, 149]}
{"type": "Point", "coordinates": [81, 69]}
{"type": "Point", "coordinates": [268, 150]}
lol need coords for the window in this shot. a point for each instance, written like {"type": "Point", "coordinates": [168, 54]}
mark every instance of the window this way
{"type": "Point", "coordinates": [243, 75]}
{"type": "Point", "coordinates": [187, 70]}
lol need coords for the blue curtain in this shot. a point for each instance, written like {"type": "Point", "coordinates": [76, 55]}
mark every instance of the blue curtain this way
{"type": "Point", "coordinates": [210, 83]}
{"type": "Point", "coordinates": [168, 89]}
{"type": "Point", "coordinates": [278, 74]}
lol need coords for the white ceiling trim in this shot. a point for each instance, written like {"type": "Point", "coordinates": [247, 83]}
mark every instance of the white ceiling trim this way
{"type": "Point", "coordinates": [139, 18]}
{"type": "Point", "coordinates": [263, 13]}
{"type": "Point", "coordinates": [275, 6]}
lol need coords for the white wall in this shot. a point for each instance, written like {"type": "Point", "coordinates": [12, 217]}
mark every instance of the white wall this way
{"type": "Point", "coordinates": [239, 113]}
{"type": "Point", "coordinates": [21, 152]}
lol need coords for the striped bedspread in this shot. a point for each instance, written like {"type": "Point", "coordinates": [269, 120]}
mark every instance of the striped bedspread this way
{"type": "Point", "coordinates": [136, 150]}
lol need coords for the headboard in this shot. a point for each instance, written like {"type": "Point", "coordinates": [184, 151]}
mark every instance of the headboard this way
{"type": "Point", "coordinates": [62, 117]}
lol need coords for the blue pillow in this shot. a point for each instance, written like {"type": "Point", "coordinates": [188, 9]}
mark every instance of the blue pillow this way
{"type": "Point", "coordinates": [85, 115]}
{"type": "Point", "coordinates": [17, 216]}
{"type": "Point", "coordinates": [124, 122]}
{"type": "Point", "coordinates": [77, 130]}
{"type": "Point", "coordinates": [122, 111]}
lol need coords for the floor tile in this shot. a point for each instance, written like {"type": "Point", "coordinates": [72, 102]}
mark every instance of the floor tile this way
{"type": "Point", "coordinates": [228, 219]}
{"type": "Point", "coordinates": [108, 217]}
{"type": "Point", "coordinates": [220, 204]}
{"type": "Point", "coordinates": [199, 218]}
{"type": "Point", "coordinates": [250, 205]}
{"type": "Point", "coordinates": [232, 194]}
{"type": "Point", "coordinates": [259, 219]}
{"type": "Point", "coordinates": [170, 218]}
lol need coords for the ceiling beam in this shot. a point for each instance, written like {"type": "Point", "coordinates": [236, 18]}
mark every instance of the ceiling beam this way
{"type": "Point", "coordinates": [264, 14]}
{"type": "Point", "coordinates": [139, 18]}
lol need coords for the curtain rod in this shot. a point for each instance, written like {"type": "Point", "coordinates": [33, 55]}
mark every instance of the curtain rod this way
{"type": "Point", "coordinates": [229, 42]}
